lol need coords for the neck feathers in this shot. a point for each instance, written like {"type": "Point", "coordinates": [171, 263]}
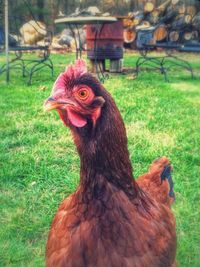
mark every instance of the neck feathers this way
{"type": "Point", "coordinates": [104, 152]}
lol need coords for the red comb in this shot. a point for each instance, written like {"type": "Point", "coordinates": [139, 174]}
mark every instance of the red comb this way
{"type": "Point", "coordinates": [76, 70]}
{"type": "Point", "coordinates": [71, 72]}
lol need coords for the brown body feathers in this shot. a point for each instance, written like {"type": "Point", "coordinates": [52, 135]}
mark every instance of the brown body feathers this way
{"type": "Point", "coordinates": [111, 220]}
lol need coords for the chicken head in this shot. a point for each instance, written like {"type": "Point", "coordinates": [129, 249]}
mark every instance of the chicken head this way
{"type": "Point", "coordinates": [76, 98]}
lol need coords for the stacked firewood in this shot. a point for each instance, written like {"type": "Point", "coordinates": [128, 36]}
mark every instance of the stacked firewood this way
{"type": "Point", "coordinates": [32, 32]}
{"type": "Point", "coordinates": [173, 20]}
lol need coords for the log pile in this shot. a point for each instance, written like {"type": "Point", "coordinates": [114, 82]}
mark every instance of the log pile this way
{"type": "Point", "coordinates": [173, 20]}
{"type": "Point", "coordinates": [32, 32]}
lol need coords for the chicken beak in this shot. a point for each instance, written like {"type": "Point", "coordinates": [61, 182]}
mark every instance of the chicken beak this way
{"type": "Point", "coordinates": [51, 104]}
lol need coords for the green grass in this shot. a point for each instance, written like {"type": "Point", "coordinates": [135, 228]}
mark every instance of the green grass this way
{"type": "Point", "coordinates": [39, 166]}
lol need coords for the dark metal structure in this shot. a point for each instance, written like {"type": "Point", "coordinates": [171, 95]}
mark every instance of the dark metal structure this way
{"type": "Point", "coordinates": [30, 65]}
{"type": "Point", "coordinates": [163, 63]}
{"type": "Point", "coordinates": [146, 41]}
{"type": "Point", "coordinates": [109, 44]}
{"type": "Point", "coordinates": [98, 22]}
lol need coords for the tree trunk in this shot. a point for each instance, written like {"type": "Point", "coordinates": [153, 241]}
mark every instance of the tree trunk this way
{"type": "Point", "coordinates": [133, 5]}
{"type": "Point", "coordinates": [66, 7]}
{"type": "Point", "coordinates": [40, 6]}
{"type": "Point", "coordinates": [54, 11]}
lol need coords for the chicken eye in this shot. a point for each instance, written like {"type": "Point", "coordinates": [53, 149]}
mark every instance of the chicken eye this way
{"type": "Point", "coordinates": [83, 94]}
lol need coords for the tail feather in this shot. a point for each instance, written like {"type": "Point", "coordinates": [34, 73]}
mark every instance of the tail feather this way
{"type": "Point", "coordinates": [166, 174]}
{"type": "Point", "coordinates": [158, 181]}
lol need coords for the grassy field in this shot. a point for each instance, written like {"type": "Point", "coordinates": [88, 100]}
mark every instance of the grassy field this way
{"type": "Point", "coordinates": [39, 166]}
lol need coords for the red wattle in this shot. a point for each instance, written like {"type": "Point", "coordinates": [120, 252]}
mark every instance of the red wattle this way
{"type": "Point", "coordinates": [76, 119]}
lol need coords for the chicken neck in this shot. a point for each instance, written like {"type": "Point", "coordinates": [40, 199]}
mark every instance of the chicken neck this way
{"type": "Point", "coordinates": [103, 151]}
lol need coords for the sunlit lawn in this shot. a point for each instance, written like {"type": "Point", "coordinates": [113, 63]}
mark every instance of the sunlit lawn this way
{"type": "Point", "coordinates": [39, 166]}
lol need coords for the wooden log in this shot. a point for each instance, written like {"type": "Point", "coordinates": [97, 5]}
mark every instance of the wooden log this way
{"type": "Point", "coordinates": [32, 32]}
{"type": "Point", "coordinates": [129, 35]}
{"type": "Point", "coordinates": [191, 10]}
{"type": "Point", "coordinates": [164, 6]}
{"type": "Point", "coordinates": [186, 7]}
{"type": "Point", "coordinates": [174, 36]}
{"type": "Point", "coordinates": [182, 9]}
{"type": "Point", "coordinates": [175, 2]}
{"type": "Point", "coordinates": [96, 65]}
{"type": "Point", "coordinates": [196, 21]}
{"type": "Point", "coordinates": [187, 19]}
{"type": "Point", "coordinates": [170, 14]}
{"type": "Point", "coordinates": [138, 18]}
{"type": "Point", "coordinates": [128, 22]}
{"type": "Point", "coordinates": [144, 25]}
{"type": "Point", "coordinates": [154, 16]}
{"type": "Point", "coordinates": [160, 33]}
{"type": "Point", "coordinates": [116, 66]}
{"type": "Point", "coordinates": [190, 36]}
{"type": "Point", "coordinates": [155, 2]}
{"type": "Point", "coordinates": [195, 35]}
{"type": "Point", "coordinates": [148, 7]}
{"type": "Point", "coordinates": [181, 22]}
{"type": "Point", "coordinates": [187, 36]}
{"type": "Point", "coordinates": [130, 15]}
{"type": "Point", "coordinates": [179, 6]}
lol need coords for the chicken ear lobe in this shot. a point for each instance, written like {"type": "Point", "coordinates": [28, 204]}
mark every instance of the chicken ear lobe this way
{"type": "Point", "coordinates": [98, 102]}
{"type": "Point", "coordinates": [95, 115]}
{"type": "Point", "coordinates": [97, 105]}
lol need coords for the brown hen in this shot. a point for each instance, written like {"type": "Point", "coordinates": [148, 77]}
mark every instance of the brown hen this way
{"type": "Point", "coordinates": [111, 220]}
